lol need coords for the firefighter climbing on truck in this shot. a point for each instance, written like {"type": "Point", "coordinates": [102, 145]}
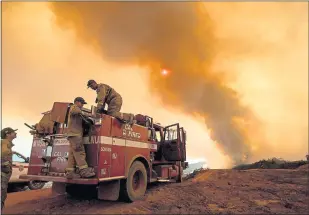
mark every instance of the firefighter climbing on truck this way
{"type": "Point", "coordinates": [108, 95]}
{"type": "Point", "coordinates": [77, 154]}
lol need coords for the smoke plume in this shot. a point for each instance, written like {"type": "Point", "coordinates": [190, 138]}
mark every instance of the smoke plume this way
{"type": "Point", "coordinates": [178, 38]}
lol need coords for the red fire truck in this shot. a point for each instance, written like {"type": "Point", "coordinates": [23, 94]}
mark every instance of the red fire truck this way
{"type": "Point", "coordinates": [125, 157]}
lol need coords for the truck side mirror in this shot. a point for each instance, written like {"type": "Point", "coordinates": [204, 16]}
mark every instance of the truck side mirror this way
{"type": "Point", "coordinates": [27, 160]}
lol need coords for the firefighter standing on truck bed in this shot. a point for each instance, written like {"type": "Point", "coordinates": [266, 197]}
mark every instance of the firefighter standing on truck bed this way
{"type": "Point", "coordinates": [77, 154]}
{"type": "Point", "coordinates": [109, 96]}
{"type": "Point", "coordinates": [7, 136]}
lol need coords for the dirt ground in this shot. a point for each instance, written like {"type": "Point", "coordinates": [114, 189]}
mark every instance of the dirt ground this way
{"type": "Point", "coordinates": [213, 191]}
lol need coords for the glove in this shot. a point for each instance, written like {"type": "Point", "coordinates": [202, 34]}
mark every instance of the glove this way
{"type": "Point", "coordinates": [100, 107]}
{"type": "Point", "coordinates": [6, 169]}
{"type": "Point", "coordinates": [33, 132]}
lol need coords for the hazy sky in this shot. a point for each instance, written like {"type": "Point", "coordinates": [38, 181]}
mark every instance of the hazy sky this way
{"type": "Point", "coordinates": [264, 58]}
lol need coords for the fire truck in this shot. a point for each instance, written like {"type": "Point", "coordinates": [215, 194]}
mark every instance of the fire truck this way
{"type": "Point", "coordinates": [126, 158]}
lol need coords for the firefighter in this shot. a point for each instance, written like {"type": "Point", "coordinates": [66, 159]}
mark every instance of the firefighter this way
{"type": "Point", "coordinates": [107, 95]}
{"type": "Point", "coordinates": [7, 136]}
{"type": "Point", "coordinates": [77, 154]}
{"type": "Point", "coordinates": [45, 126]}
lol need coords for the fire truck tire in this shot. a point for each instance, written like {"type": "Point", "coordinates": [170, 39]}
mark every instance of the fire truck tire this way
{"type": "Point", "coordinates": [134, 187]}
{"type": "Point", "coordinates": [36, 185]}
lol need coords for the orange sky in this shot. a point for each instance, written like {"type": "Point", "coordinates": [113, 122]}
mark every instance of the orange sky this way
{"type": "Point", "coordinates": [266, 58]}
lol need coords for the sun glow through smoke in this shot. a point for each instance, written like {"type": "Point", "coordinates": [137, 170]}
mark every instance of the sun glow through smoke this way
{"type": "Point", "coordinates": [164, 72]}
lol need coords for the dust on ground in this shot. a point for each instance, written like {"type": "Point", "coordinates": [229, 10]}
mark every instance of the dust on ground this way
{"type": "Point", "coordinates": [283, 191]}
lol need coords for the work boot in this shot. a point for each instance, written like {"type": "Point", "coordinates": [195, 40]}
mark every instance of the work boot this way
{"type": "Point", "coordinates": [91, 169]}
{"type": "Point", "coordinates": [87, 172]}
{"type": "Point", "coordinates": [78, 170]}
{"type": "Point", "coordinates": [72, 175]}
{"type": "Point", "coordinates": [132, 119]}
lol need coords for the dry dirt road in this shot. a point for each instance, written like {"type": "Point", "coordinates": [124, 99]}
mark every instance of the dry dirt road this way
{"type": "Point", "coordinates": [213, 191]}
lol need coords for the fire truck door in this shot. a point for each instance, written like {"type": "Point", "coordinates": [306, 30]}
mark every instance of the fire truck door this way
{"type": "Point", "coordinates": [118, 157]}
{"type": "Point", "coordinates": [183, 138]}
{"type": "Point", "coordinates": [171, 146]}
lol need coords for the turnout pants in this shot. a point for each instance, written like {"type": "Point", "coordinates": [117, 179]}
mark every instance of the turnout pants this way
{"type": "Point", "coordinates": [114, 110]}
{"type": "Point", "coordinates": [77, 154]}
{"type": "Point", "coordinates": [114, 107]}
{"type": "Point", "coordinates": [5, 178]}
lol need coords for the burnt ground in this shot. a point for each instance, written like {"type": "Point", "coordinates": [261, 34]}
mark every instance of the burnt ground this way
{"type": "Point", "coordinates": [262, 191]}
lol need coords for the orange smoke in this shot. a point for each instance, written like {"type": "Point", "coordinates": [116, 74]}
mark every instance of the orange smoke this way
{"type": "Point", "coordinates": [181, 36]}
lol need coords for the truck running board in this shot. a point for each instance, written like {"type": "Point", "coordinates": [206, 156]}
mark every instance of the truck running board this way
{"type": "Point", "coordinates": [60, 179]}
{"type": "Point", "coordinates": [165, 180]}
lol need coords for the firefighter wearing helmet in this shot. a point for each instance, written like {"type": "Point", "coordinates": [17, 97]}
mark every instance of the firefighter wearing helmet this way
{"type": "Point", "coordinates": [7, 136]}
{"type": "Point", "coordinates": [109, 96]}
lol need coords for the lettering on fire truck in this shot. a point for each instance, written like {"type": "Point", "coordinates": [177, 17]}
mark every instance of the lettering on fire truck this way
{"type": "Point", "coordinates": [57, 154]}
{"type": "Point", "coordinates": [61, 159]}
{"type": "Point", "coordinates": [114, 156]}
{"type": "Point", "coordinates": [128, 132]}
{"type": "Point", "coordinates": [103, 171]}
{"type": "Point", "coordinates": [61, 141]}
{"type": "Point", "coordinates": [39, 143]}
{"type": "Point", "coordinates": [95, 139]}
{"type": "Point", "coordinates": [105, 149]}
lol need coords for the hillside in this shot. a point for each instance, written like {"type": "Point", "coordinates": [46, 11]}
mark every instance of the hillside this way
{"type": "Point", "coordinates": [193, 166]}
{"type": "Point", "coordinates": [273, 163]}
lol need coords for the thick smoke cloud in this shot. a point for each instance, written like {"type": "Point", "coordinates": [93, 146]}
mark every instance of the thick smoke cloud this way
{"type": "Point", "coordinates": [178, 37]}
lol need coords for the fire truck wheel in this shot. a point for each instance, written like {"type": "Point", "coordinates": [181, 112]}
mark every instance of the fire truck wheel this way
{"type": "Point", "coordinates": [134, 187]}
{"type": "Point", "coordinates": [36, 185]}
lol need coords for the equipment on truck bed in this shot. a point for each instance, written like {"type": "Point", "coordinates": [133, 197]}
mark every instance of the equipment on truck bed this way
{"type": "Point", "coordinates": [124, 157]}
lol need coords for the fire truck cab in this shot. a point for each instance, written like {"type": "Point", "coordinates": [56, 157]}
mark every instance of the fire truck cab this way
{"type": "Point", "coordinates": [125, 158]}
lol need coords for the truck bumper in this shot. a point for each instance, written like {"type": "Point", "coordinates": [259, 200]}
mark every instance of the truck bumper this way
{"type": "Point", "coordinates": [60, 179]}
